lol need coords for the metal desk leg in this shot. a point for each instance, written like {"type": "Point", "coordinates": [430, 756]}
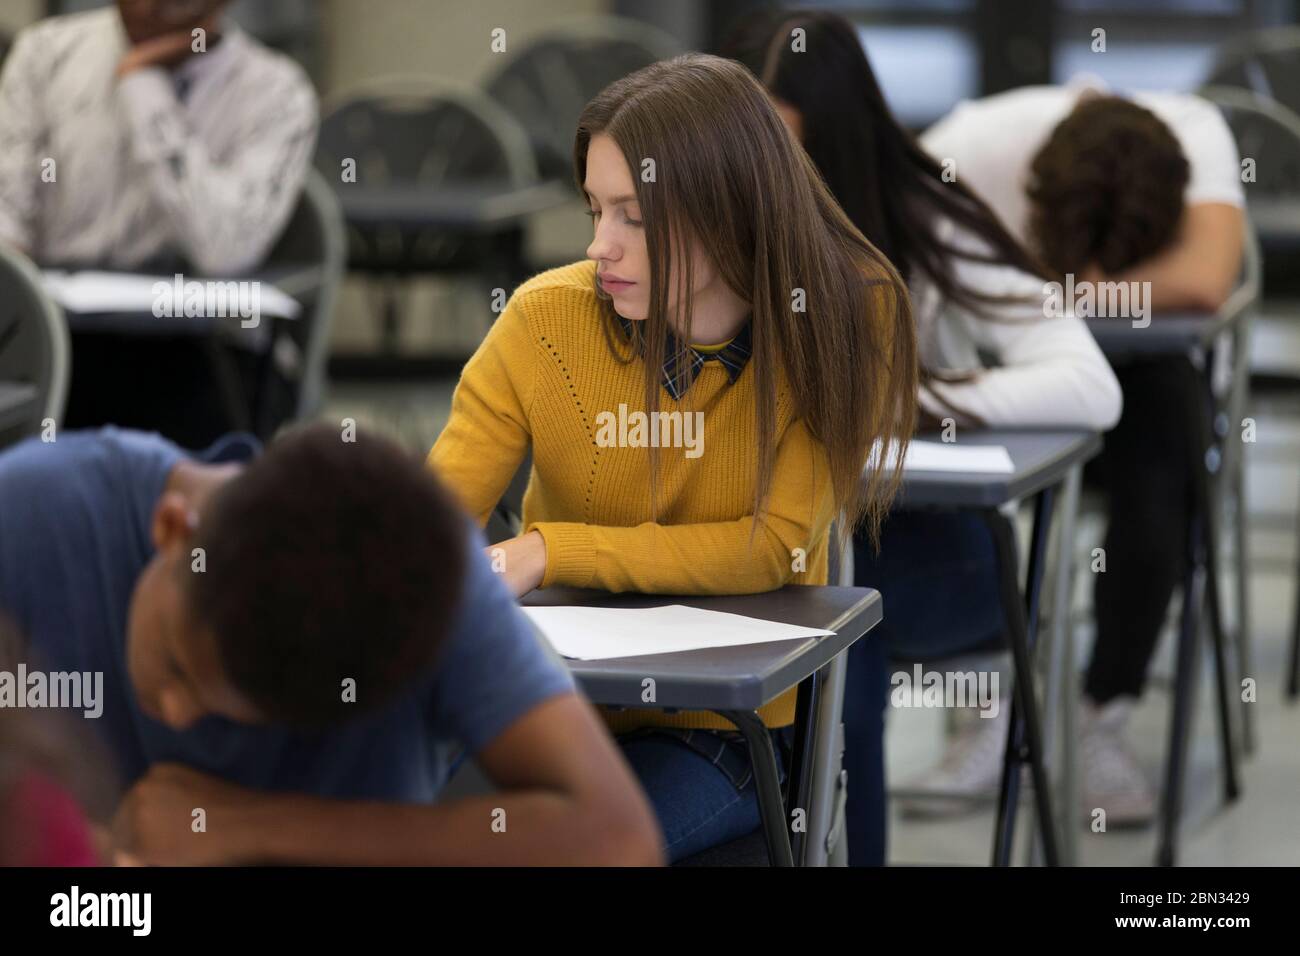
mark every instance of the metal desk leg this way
{"type": "Point", "coordinates": [1234, 458]}
{"type": "Point", "coordinates": [1293, 666]}
{"type": "Point", "coordinates": [1245, 661]}
{"type": "Point", "coordinates": [1024, 742]}
{"type": "Point", "coordinates": [1206, 495]}
{"type": "Point", "coordinates": [1062, 683]}
{"type": "Point", "coordinates": [827, 762]}
{"type": "Point", "coordinates": [768, 782]}
{"type": "Point", "coordinates": [1200, 594]}
{"type": "Point", "coordinates": [1180, 721]}
{"type": "Point", "coordinates": [798, 788]}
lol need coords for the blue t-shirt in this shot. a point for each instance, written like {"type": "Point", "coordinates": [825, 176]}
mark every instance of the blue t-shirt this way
{"type": "Point", "coordinates": [75, 520]}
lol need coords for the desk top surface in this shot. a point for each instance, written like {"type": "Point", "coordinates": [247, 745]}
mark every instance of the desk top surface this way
{"type": "Point", "coordinates": [468, 206]}
{"type": "Point", "coordinates": [1041, 458]}
{"type": "Point", "coordinates": [724, 678]}
{"type": "Point", "coordinates": [1168, 333]}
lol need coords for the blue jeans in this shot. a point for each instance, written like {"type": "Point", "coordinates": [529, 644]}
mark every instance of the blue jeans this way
{"type": "Point", "coordinates": [937, 574]}
{"type": "Point", "coordinates": [700, 783]}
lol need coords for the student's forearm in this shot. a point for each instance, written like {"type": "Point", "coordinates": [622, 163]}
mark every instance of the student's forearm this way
{"type": "Point", "coordinates": [708, 558]}
{"type": "Point", "coordinates": [519, 828]}
{"type": "Point", "coordinates": [1198, 271]}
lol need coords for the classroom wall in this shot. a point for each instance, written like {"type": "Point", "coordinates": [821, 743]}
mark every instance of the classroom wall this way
{"type": "Point", "coordinates": [362, 39]}
{"type": "Point", "coordinates": [16, 14]}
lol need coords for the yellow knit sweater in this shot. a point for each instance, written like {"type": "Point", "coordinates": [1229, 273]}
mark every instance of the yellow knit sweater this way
{"type": "Point", "coordinates": [543, 377]}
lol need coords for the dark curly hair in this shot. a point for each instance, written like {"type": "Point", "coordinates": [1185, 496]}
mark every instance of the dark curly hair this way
{"type": "Point", "coordinates": [1106, 188]}
{"type": "Point", "coordinates": [329, 560]}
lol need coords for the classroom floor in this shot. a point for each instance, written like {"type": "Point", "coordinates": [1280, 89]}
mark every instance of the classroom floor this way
{"type": "Point", "coordinates": [1261, 829]}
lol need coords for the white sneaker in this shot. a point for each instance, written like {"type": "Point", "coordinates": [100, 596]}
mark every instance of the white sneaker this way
{"type": "Point", "coordinates": [969, 774]}
{"type": "Point", "coordinates": [1112, 778]}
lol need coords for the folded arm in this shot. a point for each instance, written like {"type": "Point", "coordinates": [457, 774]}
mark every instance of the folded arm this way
{"type": "Point", "coordinates": [565, 796]}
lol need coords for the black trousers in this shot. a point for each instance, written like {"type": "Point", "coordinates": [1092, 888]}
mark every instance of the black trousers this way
{"type": "Point", "coordinates": [1146, 473]}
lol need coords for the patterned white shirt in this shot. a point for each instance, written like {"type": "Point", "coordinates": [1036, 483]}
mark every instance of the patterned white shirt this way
{"type": "Point", "coordinates": [203, 162]}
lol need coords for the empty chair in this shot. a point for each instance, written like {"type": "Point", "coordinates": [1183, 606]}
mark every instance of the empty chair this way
{"type": "Point", "coordinates": [546, 84]}
{"type": "Point", "coordinates": [34, 353]}
{"type": "Point", "coordinates": [307, 262]}
{"type": "Point", "coordinates": [1266, 62]}
{"type": "Point", "coordinates": [423, 135]}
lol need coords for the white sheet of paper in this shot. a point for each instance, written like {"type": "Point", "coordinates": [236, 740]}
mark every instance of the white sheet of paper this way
{"type": "Point", "coordinates": [949, 456]}
{"type": "Point", "coordinates": [92, 291]}
{"type": "Point", "coordinates": [599, 633]}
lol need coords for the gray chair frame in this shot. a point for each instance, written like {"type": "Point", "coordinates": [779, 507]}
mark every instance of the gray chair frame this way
{"type": "Point", "coordinates": [34, 346]}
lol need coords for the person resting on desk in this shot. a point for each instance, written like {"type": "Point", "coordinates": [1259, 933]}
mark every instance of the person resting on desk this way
{"type": "Point", "coordinates": [297, 644]}
{"type": "Point", "coordinates": [1144, 190]}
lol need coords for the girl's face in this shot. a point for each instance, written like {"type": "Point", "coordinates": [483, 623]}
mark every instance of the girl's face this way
{"type": "Point", "coordinates": [619, 242]}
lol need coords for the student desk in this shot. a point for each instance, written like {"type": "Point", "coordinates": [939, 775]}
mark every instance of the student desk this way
{"type": "Point", "coordinates": [734, 682]}
{"type": "Point", "coordinates": [466, 207]}
{"type": "Point", "coordinates": [17, 401]}
{"type": "Point", "coordinates": [1195, 336]}
{"type": "Point", "coordinates": [1044, 461]}
{"type": "Point", "coordinates": [298, 281]}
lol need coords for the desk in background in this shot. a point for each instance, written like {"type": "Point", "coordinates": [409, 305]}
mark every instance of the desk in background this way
{"type": "Point", "coordinates": [1044, 461]}
{"type": "Point", "coordinates": [1196, 336]}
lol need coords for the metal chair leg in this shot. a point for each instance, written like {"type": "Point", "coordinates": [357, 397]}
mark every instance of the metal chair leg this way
{"type": "Point", "coordinates": [767, 780]}
{"type": "Point", "coordinates": [1025, 742]}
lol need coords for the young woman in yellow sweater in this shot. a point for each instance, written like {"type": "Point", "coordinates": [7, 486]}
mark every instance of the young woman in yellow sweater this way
{"type": "Point", "coordinates": [704, 468]}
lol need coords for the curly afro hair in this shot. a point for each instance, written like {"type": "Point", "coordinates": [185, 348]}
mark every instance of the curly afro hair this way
{"type": "Point", "coordinates": [1107, 188]}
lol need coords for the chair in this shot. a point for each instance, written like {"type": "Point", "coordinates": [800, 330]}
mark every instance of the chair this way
{"type": "Point", "coordinates": [34, 351]}
{"type": "Point", "coordinates": [1268, 132]}
{"type": "Point", "coordinates": [408, 131]}
{"type": "Point", "coordinates": [307, 262]}
{"type": "Point", "coordinates": [546, 85]}
{"type": "Point", "coordinates": [1267, 62]}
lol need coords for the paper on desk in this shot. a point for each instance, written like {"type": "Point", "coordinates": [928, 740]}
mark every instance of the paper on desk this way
{"type": "Point", "coordinates": [599, 633]}
{"type": "Point", "coordinates": [948, 456]}
{"type": "Point", "coordinates": [92, 292]}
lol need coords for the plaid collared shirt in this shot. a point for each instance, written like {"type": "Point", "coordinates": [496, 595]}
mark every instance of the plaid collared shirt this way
{"type": "Point", "coordinates": [676, 381]}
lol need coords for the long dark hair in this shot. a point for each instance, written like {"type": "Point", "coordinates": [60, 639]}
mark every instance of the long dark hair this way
{"type": "Point", "coordinates": [732, 178]}
{"type": "Point", "coordinates": [891, 188]}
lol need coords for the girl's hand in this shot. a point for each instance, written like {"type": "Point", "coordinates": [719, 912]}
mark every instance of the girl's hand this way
{"type": "Point", "coordinates": [521, 561]}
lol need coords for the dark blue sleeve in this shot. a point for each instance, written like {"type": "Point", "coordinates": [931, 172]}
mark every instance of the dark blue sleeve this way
{"type": "Point", "coordinates": [75, 516]}
{"type": "Point", "coordinates": [495, 667]}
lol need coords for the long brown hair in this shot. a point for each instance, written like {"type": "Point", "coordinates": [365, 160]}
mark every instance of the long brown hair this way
{"type": "Point", "coordinates": [892, 189]}
{"type": "Point", "coordinates": [728, 175]}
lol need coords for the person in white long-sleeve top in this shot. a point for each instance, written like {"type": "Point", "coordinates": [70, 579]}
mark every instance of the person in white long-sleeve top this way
{"type": "Point", "coordinates": [158, 137]}
{"type": "Point", "coordinates": [151, 131]}
{"type": "Point", "coordinates": [992, 354]}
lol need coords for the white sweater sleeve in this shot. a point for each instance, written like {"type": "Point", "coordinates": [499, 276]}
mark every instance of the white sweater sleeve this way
{"type": "Point", "coordinates": [1048, 371]}
{"type": "Point", "coordinates": [224, 215]}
